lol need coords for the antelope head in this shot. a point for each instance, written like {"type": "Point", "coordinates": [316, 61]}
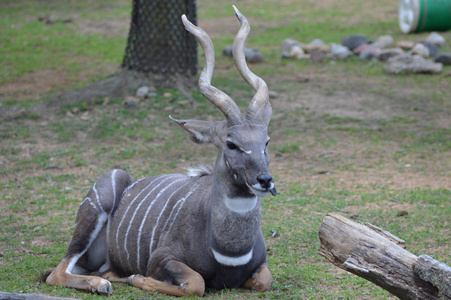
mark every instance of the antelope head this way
{"type": "Point", "coordinates": [241, 140]}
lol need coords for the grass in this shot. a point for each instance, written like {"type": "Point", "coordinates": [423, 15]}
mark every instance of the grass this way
{"type": "Point", "coordinates": [351, 140]}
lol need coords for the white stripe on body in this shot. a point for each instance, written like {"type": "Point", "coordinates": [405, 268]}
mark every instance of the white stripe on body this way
{"type": "Point", "coordinates": [100, 222]}
{"type": "Point", "coordinates": [131, 186]}
{"type": "Point", "coordinates": [138, 242]}
{"type": "Point", "coordinates": [113, 183]}
{"type": "Point", "coordinates": [231, 260]}
{"type": "Point", "coordinates": [240, 205]}
{"type": "Point", "coordinates": [90, 202]}
{"type": "Point", "coordinates": [181, 202]}
{"type": "Point", "coordinates": [130, 205]}
{"type": "Point", "coordinates": [97, 196]}
{"type": "Point", "coordinates": [161, 213]}
{"type": "Point", "coordinates": [168, 177]}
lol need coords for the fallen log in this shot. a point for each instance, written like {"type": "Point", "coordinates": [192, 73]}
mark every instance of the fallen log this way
{"type": "Point", "coordinates": [20, 296]}
{"type": "Point", "coordinates": [380, 257]}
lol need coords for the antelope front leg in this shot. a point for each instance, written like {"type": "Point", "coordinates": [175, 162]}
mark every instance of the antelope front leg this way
{"type": "Point", "coordinates": [260, 280]}
{"type": "Point", "coordinates": [190, 283]}
{"type": "Point", "coordinates": [94, 284]}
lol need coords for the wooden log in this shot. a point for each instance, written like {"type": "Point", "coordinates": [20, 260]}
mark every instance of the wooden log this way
{"type": "Point", "coordinates": [378, 256]}
{"type": "Point", "coordinates": [434, 272]}
{"type": "Point", "coordinates": [20, 296]}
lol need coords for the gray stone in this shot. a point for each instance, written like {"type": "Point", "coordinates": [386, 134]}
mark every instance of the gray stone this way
{"type": "Point", "coordinates": [384, 41]}
{"type": "Point", "coordinates": [406, 45]}
{"type": "Point", "coordinates": [433, 51]}
{"type": "Point", "coordinates": [130, 102]}
{"type": "Point", "coordinates": [411, 64]}
{"type": "Point", "coordinates": [288, 44]}
{"type": "Point", "coordinates": [339, 52]}
{"type": "Point", "coordinates": [444, 58]}
{"type": "Point", "coordinates": [367, 48]}
{"type": "Point", "coordinates": [420, 49]}
{"type": "Point", "coordinates": [146, 92]}
{"type": "Point", "coordinates": [353, 41]}
{"type": "Point", "coordinates": [317, 42]}
{"type": "Point", "coordinates": [366, 55]}
{"type": "Point", "coordinates": [253, 56]}
{"type": "Point", "coordinates": [227, 51]}
{"type": "Point", "coordinates": [385, 54]}
{"type": "Point", "coordinates": [317, 55]}
{"type": "Point", "coordinates": [142, 92]}
{"type": "Point", "coordinates": [435, 39]}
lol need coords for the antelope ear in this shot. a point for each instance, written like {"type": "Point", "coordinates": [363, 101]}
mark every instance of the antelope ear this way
{"type": "Point", "coordinates": [202, 132]}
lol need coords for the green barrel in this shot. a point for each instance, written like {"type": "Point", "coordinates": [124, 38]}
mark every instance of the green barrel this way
{"type": "Point", "coordinates": [424, 15]}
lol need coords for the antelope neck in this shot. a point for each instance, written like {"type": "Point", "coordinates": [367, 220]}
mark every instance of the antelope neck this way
{"type": "Point", "coordinates": [234, 225]}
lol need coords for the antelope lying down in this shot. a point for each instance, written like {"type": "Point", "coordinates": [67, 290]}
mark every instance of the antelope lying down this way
{"type": "Point", "coordinates": [177, 234]}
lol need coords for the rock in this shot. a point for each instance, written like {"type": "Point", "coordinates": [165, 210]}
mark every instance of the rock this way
{"type": "Point", "coordinates": [384, 41]}
{"type": "Point", "coordinates": [353, 41]}
{"type": "Point", "coordinates": [253, 56]}
{"type": "Point", "coordinates": [142, 92]}
{"type": "Point", "coordinates": [85, 116]}
{"type": "Point", "coordinates": [297, 52]}
{"type": "Point", "coordinates": [367, 48]}
{"type": "Point", "coordinates": [420, 50]}
{"type": "Point", "coordinates": [146, 92]}
{"type": "Point", "coordinates": [302, 78]}
{"type": "Point", "coordinates": [227, 51]}
{"type": "Point", "coordinates": [317, 42]}
{"type": "Point", "coordinates": [385, 54]}
{"type": "Point", "coordinates": [311, 47]}
{"type": "Point", "coordinates": [339, 52]}
{"type": "Point", "coordinates": [288, 44]}
{"type": "Point", "coordinates": [402, 213]}
{"type": "Point", "coordinates": [317, 55]}
{"type": "Point", "coordinates": [130, 102]}
{"type": "Point", "coordinates": [435, 39]}
{"type": "Point", "coordinates": [405, 45]}
{"type": "Point", "coordinates": [366, 55]}
{"type": "Point", "coordinates": [433, 51]}
{"type": "Point", "coordinates": [444, 58]}
{"type": "Point", "coordinates": [411, 64]}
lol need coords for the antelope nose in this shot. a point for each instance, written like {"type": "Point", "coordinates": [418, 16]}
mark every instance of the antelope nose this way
{"type": "Point", "coordinates": [265, 180]}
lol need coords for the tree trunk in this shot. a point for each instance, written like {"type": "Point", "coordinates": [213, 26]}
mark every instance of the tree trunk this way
{"type": "Point", "coordinates": [380, 257]}
{"type": "Point", "coordinates": [160, 53]}
{"type": "Point", "coordinates": [158, 42]}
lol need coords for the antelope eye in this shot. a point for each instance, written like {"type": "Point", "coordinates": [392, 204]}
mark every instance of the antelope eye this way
{"type": "Point", "coordinates": [231, 145]}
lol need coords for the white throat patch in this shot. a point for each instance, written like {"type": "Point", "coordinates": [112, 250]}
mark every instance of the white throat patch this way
{"type": "Point", "coordinates": [240, 205]}
{"type": "Point", "coordinates": [232, 260]}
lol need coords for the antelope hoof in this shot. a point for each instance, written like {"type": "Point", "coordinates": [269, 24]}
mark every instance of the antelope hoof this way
{"type": "Point", "coordinates": [105, 289]}
{"type": "Point", "coordinates": [260, 281]}
{"type": "Point", "coordinates": [139, 280]}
